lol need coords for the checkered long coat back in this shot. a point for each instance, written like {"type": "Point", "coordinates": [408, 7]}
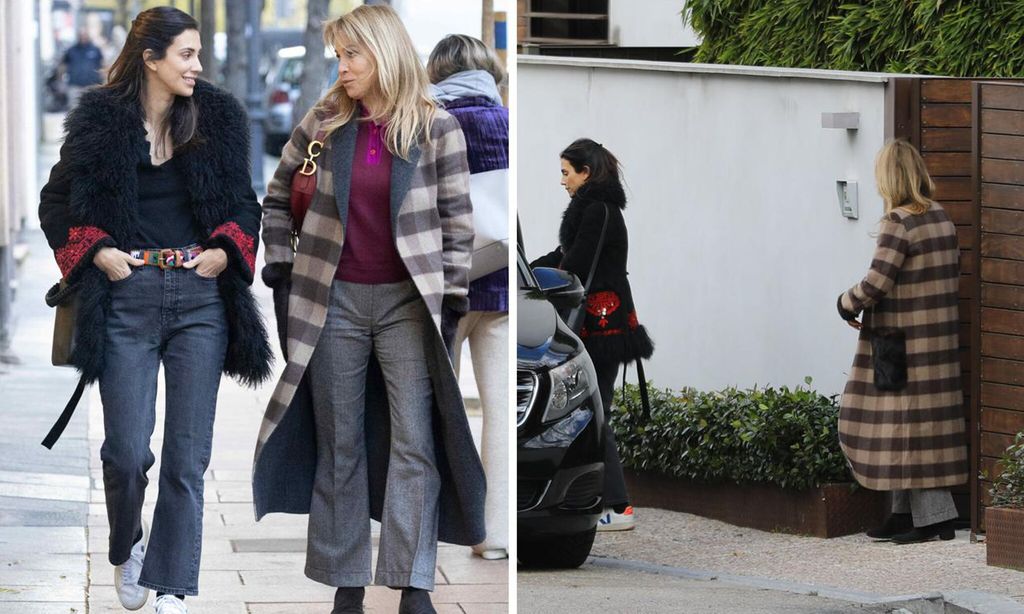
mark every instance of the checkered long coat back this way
{"type": "Point", "coordinates": [432, 219]}
{"type": "Point", "coordinates": [915, 437]}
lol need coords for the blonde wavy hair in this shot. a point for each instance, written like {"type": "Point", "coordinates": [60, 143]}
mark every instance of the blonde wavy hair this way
{"type": "Point", "coordinates": [902, 178]}
{"type": "Point", "coordinates": [407, 108]}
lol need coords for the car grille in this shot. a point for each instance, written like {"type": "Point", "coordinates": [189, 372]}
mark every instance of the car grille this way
{"type": "Point", "coordinates": [526, 392]}
{"type": "Point", "coordinates": [528, 493]}
{"type": "Point", "coordinates": [584, 492]}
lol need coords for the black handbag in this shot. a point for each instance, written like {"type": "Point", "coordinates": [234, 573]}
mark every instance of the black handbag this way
{"type": "Point", "coordinates": [64, 298]}
{"type": "Point", "coordinates": [889, 357]}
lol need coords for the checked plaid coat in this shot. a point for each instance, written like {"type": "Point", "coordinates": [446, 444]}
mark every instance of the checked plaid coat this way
{"type": "Point", "coordinates": [433, 224]}
{"type": "Point", "coordinates": [915, 437]}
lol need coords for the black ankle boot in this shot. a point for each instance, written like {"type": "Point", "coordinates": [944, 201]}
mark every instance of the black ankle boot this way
{"type": "Point", "coordinates": [415, 601]}
{"type": "Point", "coordinates": [943, 530]}
{"type": "Point", "coordinates": [894, 525]}
{"type": "Point", "coordinates": [349, 600]}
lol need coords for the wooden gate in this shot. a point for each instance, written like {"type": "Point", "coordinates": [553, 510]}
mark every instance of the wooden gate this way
{"type": "Point", "coordinates": [997, 330]}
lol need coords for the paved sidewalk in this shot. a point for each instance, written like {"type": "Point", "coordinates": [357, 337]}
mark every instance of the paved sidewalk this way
{"type": "Point", "coordinates": [53, 528]}
{"type": "Point", "coordinates": [852, 565]}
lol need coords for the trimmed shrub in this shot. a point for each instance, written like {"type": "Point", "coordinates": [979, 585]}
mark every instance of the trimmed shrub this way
{"type": "Point", "coordinates": [958, 38]}
{"type": "Point", "coordinates": [1008, 488]}
{"type": "Point", "coordinates": [782, 436]}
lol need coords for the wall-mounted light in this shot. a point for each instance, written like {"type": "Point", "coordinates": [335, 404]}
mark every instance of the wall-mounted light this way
{"type": "Point", "coordinates": [840, 121]}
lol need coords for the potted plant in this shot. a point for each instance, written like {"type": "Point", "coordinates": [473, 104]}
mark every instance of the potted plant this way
{"type": "Point", "coordinates": [764, 457]}
{"type": "Point", "coordinates": [1004, 520]}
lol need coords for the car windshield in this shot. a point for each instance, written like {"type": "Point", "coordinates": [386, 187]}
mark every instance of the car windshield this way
{"type": "Point", "coordinates": [526, 279]}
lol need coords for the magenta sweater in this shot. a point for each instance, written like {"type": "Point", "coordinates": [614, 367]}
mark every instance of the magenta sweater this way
{"type": "Point", "coordinates": [369, 255]}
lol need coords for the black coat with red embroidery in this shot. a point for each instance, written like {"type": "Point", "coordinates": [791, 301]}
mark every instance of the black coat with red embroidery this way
{"type": "Point", "coordinates": [91, 201]}
{"type": "Point", "coordinates": [611, 330]}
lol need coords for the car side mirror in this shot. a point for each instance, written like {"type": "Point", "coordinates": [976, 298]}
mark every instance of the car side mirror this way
{"type": "Point", "coordinates": [562, 289]}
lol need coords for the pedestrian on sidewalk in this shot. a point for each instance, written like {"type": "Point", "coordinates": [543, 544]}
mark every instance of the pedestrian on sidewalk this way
{"type": "Point", "coordinates": [611, 332]}
{"type": "Point", "coordinates": [901, 422]}
{"type": "Point", "coordinates": [82, 63]}
{"type": "Point", "coordinates": [375, 285]}
{"type": "Point", "coordinates": [153, 220]}
{"type": "Point", "coordinates": [466, 73]}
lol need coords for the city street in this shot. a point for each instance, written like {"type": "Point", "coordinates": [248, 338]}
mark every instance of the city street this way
{"type": "Point", "coordinates": [53, 527]}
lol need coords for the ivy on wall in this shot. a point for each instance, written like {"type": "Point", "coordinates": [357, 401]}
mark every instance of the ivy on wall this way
{"type": "Point", "coordinates": [960, 38]}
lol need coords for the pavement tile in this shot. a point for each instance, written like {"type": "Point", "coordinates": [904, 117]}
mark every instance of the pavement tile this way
{"type": "Point", "coordinates": [58, 593]}
{"type": "Point", "coordinates": [44, 607]}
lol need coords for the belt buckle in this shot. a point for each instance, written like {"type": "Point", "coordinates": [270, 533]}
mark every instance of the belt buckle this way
{"type": "Point", "coordinates": [170, 259]}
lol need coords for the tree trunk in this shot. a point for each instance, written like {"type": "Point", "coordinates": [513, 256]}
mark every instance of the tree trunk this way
{"type": "Point", "coordinates": [236, 62]}
{"type": "Point", "coordinates": [208, 30]}
{"type": "Point", "coordinates": [487, 25]}
{"type": "Point", "coordinates": [314, 66]}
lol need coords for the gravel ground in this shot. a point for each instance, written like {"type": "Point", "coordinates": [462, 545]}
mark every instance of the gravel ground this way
{"type": "Point", "coordinates": [853, 563]}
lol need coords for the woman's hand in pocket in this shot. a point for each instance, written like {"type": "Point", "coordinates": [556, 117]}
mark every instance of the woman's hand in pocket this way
{"type": "Point", "coordinates": [115, 263]}
{"type": "Point", "coordinates": [210, 263]}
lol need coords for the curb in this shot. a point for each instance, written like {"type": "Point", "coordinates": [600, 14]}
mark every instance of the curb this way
{"type": "Point", "coordinates": [952, 602]}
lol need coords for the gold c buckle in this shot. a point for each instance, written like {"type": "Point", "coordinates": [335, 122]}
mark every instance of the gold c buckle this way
{"type": "Point", "coordinates": [311, 159]}
{"type": "Point", "coordinates": [172, 255]}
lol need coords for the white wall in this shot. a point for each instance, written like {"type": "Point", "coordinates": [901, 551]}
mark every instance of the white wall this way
{"type": "Point", "coordinates": [649, 23]}
{"type": "Point", "coordinates": [737, 247]}
{"type": "Point", "coordinates": [429, 22]}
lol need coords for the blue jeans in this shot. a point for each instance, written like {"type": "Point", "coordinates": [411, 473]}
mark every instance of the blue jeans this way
{"type": "Point", "coordinates": [177, 317]}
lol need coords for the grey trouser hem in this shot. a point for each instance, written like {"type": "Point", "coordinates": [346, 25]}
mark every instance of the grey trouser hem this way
{"type": "Point", "coordinates": [401, 579]}
{"type": "Point", "coordinates": [338, 578]}
{"type": "Point", "coordinates": [927, 505]}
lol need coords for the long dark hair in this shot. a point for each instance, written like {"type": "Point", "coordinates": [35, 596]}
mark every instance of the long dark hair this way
{"type": "Point", "coordinates": [603, 166]}
{"type": "Point", "coordinates": [155, 29]}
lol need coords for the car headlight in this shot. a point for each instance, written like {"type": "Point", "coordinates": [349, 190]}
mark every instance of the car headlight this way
{"type": "Point", "coordinates": [572, 383]}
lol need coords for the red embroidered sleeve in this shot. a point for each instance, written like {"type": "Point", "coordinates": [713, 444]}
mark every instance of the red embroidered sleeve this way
{"type": "Point", "coordinates": [244, 242]}
{"type": "Point", "coordinates": [81, 239]}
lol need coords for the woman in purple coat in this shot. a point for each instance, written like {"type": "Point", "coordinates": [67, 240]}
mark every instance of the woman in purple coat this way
{"type": "Point", "coordinates": [466, 73]}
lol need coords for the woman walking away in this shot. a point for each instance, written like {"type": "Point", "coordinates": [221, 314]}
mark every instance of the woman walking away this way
{"type": "Point", "coordinates": [611, 332]}
{"type": "Point", "coordinates": [466, 73]}
{"type": "Point", "coordinates": [153, 220]}
{"type": "Point", "coordinates": [376, 284]}
{"type": "Point", "coordinates": [901, 422]}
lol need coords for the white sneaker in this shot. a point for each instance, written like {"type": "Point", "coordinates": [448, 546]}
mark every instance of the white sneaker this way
{"type": "Point", "coordinates": [169, 604]}
{"type": "Point", "coordinates": [491, 554]}
{"type": "Point", "coordinates": [126, 575]}
{"type": "Point", "coordinates": [610, 521]}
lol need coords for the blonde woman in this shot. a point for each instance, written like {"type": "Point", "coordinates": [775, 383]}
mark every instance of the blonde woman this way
{"type": "Point", "coordinates": [375, 287]}
{"type": "Point", "coordinates": [901, 421]}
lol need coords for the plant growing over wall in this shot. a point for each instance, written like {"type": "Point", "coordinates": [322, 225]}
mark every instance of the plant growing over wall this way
{"type": "Point", "coordinates": [782, 436]}
{"type": "Point", "coordinates": [1008, 489]}
{"type": "Point", "coordinates": [961, 38]}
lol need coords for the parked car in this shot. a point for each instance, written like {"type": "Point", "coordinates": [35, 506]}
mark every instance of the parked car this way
{"type": "Point", "coordinates": [284, 84]}
{"type": "Point", "coordinates": [559, 418]}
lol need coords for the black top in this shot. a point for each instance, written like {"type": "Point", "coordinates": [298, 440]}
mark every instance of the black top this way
{"type": "Point", "coordinates": [165, 213]}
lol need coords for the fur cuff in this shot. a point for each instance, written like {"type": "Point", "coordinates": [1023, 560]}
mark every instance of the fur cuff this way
{"type": "Point", "coordinates": [240, 247]}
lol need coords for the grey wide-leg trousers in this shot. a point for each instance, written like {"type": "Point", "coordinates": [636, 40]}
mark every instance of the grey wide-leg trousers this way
{"type": "Point", "coordinates": [926, 505]}
{"type": "Point", "coordinates": [391, 321]}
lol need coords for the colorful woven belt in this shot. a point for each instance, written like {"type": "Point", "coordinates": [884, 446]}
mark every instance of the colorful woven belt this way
{"type": "Point", "coordinates": [167, 258]}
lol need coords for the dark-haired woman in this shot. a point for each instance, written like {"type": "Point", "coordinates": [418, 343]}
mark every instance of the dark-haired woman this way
{"type": "Point", "coordinates": [153, 219]}
{"type": "Point", "coordinates": [611, 332]}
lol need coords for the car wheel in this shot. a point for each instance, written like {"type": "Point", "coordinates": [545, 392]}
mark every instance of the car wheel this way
{"type": "Point", "coordinates": [556, 551]}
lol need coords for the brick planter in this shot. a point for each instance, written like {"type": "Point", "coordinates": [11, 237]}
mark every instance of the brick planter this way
{"type": "Point", "coordinates": [1004, 537]}
{"type": "Point", "coordinates": [831, 510]}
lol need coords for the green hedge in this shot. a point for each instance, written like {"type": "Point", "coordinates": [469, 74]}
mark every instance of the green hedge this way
{"type": "Point", "coordinates": [1008, 489]}
{"type": "Point", "coordinates": [937, 37]}
{"type": "Point", "coordinates": [767, 435]}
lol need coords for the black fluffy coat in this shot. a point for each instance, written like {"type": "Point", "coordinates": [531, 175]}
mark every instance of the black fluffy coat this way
{"type": "Point", "coordinates": [614, 334]}
{"type": "Point", "coordinates": [95, 187]}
